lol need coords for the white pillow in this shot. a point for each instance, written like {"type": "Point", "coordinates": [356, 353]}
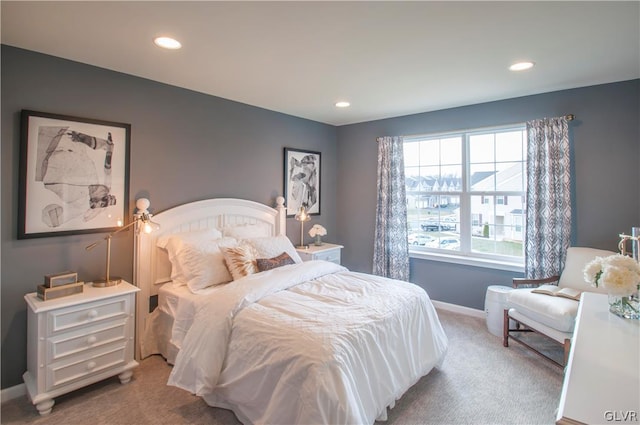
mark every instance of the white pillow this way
{"type": "Point", "coordinates": [272, 246]}
{"type": "Point", "coordinates": [246, 231]}
{"type": "Point", "coordinates": [175, 240]}
{"type": "Point", "coordinates": [196, 235]}
{"type": "Point", "coordinates": [199, 263]}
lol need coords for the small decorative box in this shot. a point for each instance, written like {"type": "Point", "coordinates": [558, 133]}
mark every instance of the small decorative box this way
{"type": "Point", "coordinates": [58, 279]}
{"type": "Point", "coordinates": [45, 293]}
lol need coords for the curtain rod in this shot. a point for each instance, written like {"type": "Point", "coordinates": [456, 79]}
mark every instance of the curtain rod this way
{"type": "Point", "coordinates": [568, 117]}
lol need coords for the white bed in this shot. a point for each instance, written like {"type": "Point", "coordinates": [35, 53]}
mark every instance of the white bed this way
{"type": "Point", "coordinates": [302, 343]}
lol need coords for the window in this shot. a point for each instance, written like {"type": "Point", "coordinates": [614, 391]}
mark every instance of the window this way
{"type": "Point", "coordinates": [466, 192]}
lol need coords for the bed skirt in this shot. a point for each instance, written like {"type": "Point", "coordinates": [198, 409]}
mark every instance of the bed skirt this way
{"type": "Point", "coordinates": [157, 337]}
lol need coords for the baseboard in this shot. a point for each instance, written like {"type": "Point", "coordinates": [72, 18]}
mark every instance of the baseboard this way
{"type": "Point", "coordinates": [459, 309]}
{"type": "Point", "coordinates": [13, 392]}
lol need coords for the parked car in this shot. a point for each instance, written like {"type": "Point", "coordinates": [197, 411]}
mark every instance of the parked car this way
{"type": "Point", "coordinates": [449, 243]}
{"type": "Point", "coordinates": [450, 221]}
{"type": "Point", "coordinates": [446, 243]}
{"type": "Point", "coordinates": [437, 227]}
{"type": "Point", "coordinates": [420, 239]}
{"type": "Point", "coordinates": [430, 227]}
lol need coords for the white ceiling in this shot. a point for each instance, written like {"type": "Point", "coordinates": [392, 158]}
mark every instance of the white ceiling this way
{"type": "Point", "coordinates": [386, 58]}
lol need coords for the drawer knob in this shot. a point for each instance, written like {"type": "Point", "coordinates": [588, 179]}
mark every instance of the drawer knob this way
{"type": "Point", "coordinates": [93, 314]}
{"type": "Point", "coordinates": [92, 339]}
{"type": "Point", "coordinates": [91, 365]}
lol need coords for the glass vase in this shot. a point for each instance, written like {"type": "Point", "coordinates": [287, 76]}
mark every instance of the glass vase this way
{"type": "Point", "coordinates": [318, 240]}
{"type": "Point", "coordinates": [627, 307]}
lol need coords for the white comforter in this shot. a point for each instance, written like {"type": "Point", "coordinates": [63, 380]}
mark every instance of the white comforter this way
{"type": "Point", "coordinates": [309, 343]}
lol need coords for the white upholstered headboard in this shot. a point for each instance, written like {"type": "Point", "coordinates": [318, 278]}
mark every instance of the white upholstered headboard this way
{"type": "Point", "coordinates": [151, 264]}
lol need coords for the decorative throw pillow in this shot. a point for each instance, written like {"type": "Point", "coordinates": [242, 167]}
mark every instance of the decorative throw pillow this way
{"type": "Point", "coordinates": [240, 260]}
{"type": "Point", "coordinates": [272, 263]}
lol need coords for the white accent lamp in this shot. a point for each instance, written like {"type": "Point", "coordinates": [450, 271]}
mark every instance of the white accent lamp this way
{"type": "Point", "coordinates": [302, 216]}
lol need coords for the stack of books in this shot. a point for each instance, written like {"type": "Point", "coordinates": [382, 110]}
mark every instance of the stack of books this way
{"type": "Point", "coordinates": [59, 285]}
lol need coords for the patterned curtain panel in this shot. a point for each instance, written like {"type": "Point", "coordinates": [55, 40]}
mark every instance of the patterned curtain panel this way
{"type": "Point", "coordinates": [391, 249]}
{"type": "Point", "coordinates": [548, 197]}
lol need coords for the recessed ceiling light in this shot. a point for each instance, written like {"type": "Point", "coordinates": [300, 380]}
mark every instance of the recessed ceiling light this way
{"type": "Point", "coordinates": [167, 43]}
{"type": "Point", "coordinates": [521, 66]}
{"type": "Point", "coordinates": [342, 104]}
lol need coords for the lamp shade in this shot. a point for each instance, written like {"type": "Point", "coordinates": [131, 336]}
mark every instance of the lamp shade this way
{"type": "Point", "coordinates": [302, 215]}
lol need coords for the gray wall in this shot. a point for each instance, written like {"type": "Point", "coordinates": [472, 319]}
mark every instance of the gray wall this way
{"type": "Point", "coordinates": [185, 146]}
{"type": "Point", "coordinates": [605, 141]}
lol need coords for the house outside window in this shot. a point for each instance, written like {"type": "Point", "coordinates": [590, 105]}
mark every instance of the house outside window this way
{"type": "Point", "coordinates": [466, 193]}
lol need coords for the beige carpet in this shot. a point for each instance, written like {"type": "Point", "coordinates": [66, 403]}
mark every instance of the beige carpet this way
{"type": "Point", "coordinates": [480, 382]}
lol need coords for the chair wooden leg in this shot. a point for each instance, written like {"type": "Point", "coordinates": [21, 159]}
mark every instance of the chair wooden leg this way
{"type": "Point", "coordinates": [511, 333]}
{"type": "Point", "coordinates": [505, 329]}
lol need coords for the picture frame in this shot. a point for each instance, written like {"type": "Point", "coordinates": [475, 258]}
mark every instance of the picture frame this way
{"type": "Point", "coordinates": [74, 175]}
{"type": "Point", "coordinates": [302, 182]}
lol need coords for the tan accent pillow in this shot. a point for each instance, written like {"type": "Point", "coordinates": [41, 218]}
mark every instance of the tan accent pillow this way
{"type": "Point", "coordinates": [272, 263]}
{"type": "Point", "coordinates": [240, 260]}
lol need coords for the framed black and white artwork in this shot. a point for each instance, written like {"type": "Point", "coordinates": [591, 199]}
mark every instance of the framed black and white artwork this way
{"type": "Point", "coordinates": [74, 175]}
{"type": "Point", "coordinates": [302, 181]}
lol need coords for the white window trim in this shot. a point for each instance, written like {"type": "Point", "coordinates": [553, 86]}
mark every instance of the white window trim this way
{"type": "Point", "coordinates": [468, 260]}
{"type": "Point", "coordinates": [467, 257]}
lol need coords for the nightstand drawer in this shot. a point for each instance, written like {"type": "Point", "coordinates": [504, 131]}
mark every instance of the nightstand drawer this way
{"type": "Point", "coordinates": [78, 342]}
{"type": "Point", "coordinates": [73, 317]}
{"type": "Point", "coordinates": [333, 256]}
{"type": "Point", "coordinates": [61, 374]}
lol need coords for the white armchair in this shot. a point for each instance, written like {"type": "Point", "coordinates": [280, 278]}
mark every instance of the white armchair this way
{"type": "Point", "coordinates": [552, 317]}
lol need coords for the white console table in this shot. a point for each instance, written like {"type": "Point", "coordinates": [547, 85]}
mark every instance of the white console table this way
{"type": "Point", "coordinates": [602, 379]}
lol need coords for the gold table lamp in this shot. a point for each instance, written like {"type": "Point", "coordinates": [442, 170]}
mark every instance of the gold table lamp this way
{"type": "Point", "coordinates": [142, 216]}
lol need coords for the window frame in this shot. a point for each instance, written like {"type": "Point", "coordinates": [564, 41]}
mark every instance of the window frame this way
{"type": "Point", "coordinates": [465, 255]}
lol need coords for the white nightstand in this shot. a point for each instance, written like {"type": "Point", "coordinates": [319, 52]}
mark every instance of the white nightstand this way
{"type": "Point", "coordinates": [77, 340]}
{"type": "Point", "coordinates": [326, 251]}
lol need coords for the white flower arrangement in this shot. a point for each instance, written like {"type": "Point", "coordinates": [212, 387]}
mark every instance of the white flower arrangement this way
{"type": "Point", "coordinates": [618, 274]}
{"type": "Point", "coordinates": [317, 230]}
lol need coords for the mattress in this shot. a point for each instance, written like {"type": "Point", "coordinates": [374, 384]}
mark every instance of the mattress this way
{"type": "Point", "coordinates": [169, 296]}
